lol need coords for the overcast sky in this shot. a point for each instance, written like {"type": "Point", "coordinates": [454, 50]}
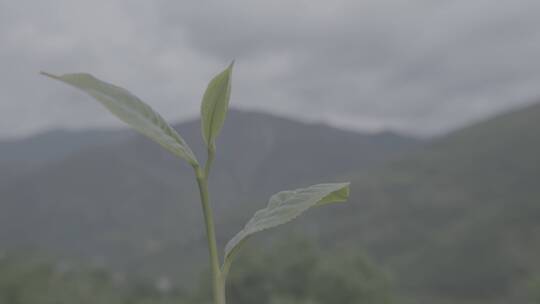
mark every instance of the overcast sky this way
{"type": "Point", "coordinates": [418, 66]}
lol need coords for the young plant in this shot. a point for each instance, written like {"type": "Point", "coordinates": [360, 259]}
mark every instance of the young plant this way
{"type": "Point", "coordinates": [282, 207]}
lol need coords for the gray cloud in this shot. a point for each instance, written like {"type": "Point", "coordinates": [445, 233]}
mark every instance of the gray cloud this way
{"type": "Point", "coordinates": [414, 65]}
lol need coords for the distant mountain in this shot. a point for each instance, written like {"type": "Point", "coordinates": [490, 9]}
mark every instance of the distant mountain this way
{"type": "Point", "coordinates": [119, 199]}
{"type": "Point", "coordinates": [19, 157]}
{"type": "Point", "coordinates": [455, 219]}
{"type": "Point", "coordinates": [54, 145]}
{"type": "Point", "coordinates": [459, 219]}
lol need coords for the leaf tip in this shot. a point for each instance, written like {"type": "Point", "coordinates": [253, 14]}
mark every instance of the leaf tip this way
{"type": "Point", "coordinates": [347, 189]}
{"type": "Point", "coordinates": [48, 74]}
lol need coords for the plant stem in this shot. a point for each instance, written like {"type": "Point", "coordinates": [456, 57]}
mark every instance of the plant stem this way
{"type": "Point", "coordinates": [210, 160]}
{"type": "Point", "coordinates": [218, 282]}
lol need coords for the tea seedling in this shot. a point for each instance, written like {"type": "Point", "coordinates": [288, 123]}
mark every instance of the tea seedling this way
{"type": "Point", "coordinates": [282, 207]}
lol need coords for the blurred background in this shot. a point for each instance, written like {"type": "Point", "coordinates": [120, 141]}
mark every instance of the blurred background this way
{"type": "Point", "coordinates": [430, 108]}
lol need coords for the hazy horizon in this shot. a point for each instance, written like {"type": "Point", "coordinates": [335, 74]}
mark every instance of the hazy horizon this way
{"type": "Point", "coordinates": [120, 127]}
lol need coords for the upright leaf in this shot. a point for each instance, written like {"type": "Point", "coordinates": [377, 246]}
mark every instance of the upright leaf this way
{"type": "Point", "coordinates": [215, 104]}
{"type": "Point", "coordinates": [132, 111]}
{"type": "Point", "coordinates": [285, 206]}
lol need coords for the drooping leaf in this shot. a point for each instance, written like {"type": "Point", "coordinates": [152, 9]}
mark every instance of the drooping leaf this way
{"type": "Point", "coordinates": [285, 206]}
{"type": "Point", "coordinates": [132, 111]}
{"type": "Point", "coordinates": [215, 104]}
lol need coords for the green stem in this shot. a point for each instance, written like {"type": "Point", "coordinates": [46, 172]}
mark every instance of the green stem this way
{"type": "Point", "coordinates": [218, 282]}
{"type": "Point", "coordinates": [209, 161]}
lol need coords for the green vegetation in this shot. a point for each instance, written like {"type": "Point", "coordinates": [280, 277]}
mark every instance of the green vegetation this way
{"type": "Point", "coordinates": [296, 271]}
{"type": "Point", "coordinates": [264, 276]}
{"type": "Point", "coordinates": [534, 290]}
{"type": "Point", "coordinates": [31, 280]}
{"type": "Point", "coordinates": [282, 207]}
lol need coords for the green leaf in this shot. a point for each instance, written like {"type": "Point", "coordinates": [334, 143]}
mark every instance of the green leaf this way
{"type": "Point", "coordinates": [285, 206]}
{"type": "Point", "coordinates": [214, 105]}
{"type": "Point", "coordinates": [132, 111]}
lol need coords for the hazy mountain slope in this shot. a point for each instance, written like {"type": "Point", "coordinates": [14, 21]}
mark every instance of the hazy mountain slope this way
{"type": "Point", "coordinates": [55, 145]}
{"type": "Point", "coordinates": [19, 157]}
{"type": "Point", "coordinates": [133, 205]}
{"type": "Point", "coordinates": [460, 218]}
{"type": "Point", "coordinates": [457, 219]}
